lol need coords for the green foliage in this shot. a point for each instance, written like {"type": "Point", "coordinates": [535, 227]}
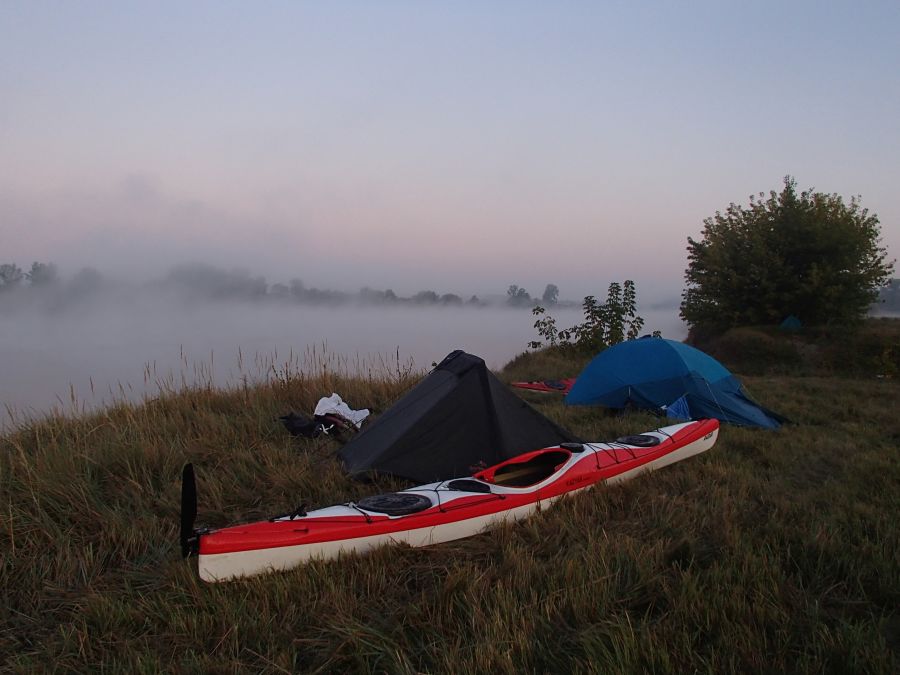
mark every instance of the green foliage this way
{"type": "Point", "coordinates": [811, 255]}
{"type": "Point", "coordinates": [553, 362]}
{"type": "Point", "coordinates": [546, 328]}
{"type": "Point", "coordinates": [870, 351]}
{"type": "Point", "coordinates": [604, 324]}
{"type": "Point", "coordinates": [755, 350]}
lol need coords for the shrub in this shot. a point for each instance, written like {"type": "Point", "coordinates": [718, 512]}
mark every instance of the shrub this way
{"type": "Point", "coordinates": [811, 255]}
{"type": "Point", "coordinates": [604, 324]}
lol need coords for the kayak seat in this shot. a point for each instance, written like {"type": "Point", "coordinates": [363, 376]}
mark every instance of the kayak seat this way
{"type": "Point", "coordinates": [536, 469]}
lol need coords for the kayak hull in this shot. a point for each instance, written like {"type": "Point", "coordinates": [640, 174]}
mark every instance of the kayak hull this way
{"type": "Point", "coordinates": [225, 566]}
{"type": "Point", "coordinates": [461, 508]}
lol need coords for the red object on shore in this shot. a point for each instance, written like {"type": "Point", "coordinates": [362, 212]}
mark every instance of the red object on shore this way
{"type": "Point", "coordinates": [547, 386]}
{"type": "Point", "coordinates": [446, 510]}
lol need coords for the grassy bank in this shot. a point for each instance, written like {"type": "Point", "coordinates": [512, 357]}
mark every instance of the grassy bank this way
{"type": "Point", "coordinates": [773, 551]}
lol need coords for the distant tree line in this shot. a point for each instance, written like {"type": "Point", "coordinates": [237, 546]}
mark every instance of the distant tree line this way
{"type": "Point", "coordinates": [202, 282]}
{"type": "Point", "coordinates": [40, 274]}
{"type": "Point", "coordinates": [42, 281]}
{"type": "Point", "coordinates": [207, 281]}
{"type": "Point", "coordinates": [519, 297]}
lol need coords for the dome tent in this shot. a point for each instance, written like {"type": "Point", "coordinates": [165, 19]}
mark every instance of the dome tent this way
{"type": "Point", "coordinates": [459, 416]}
{"type": "Point", "coordinates": [791, 324]}
{"type": "Point", "coordinates": [654, 373]}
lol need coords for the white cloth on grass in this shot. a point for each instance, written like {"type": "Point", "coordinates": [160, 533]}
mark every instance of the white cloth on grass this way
{"type": "Point", "coordinates": [334, 405]}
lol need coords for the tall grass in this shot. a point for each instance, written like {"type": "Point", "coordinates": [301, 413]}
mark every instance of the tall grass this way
{"type": "Point", "coordinates": [775, 551]}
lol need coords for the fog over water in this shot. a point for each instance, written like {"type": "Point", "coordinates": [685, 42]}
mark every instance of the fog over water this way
{"type": "Point", "coordinates": [456, 149]}
{"type": "Point", "coordinates": [123, 344]}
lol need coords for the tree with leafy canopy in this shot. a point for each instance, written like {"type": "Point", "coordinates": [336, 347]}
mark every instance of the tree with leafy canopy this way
{"type": "Point", "coordinates": [10, 276]}
{"type": "Point", "coordinates": [42, 274]}
{"type": "Point", "coordinates": [808, 254]}
{"type": "Point", "coordinates": [517, 296]}
{"type": "Point", "coordinates": [450, 299]}
{"type": "Point", "coordinates": [551, 294]}
{"type": "Point", "coordinates": [425, 297]}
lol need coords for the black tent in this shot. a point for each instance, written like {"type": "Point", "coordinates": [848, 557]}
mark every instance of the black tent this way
{"type": "Point", "coordinates": [458, 417]}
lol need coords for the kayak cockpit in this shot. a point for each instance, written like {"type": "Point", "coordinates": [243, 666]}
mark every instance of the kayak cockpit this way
{"type": "Point", "coordinates": [525, 470]}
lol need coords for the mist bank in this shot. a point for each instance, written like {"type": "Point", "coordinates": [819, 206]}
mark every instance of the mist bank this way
{"type": "Point", "coordinates": [126, 347]}
{"type": "Point", "coordinates": [43, 287]}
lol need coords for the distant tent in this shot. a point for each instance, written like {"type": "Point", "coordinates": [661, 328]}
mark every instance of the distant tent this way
{"type": "Point", "coordinates": [458, 417]}
{"type": "Point", "coordinates": [665, 375]}
{"type": "Point", "coordinates": [791, 324]}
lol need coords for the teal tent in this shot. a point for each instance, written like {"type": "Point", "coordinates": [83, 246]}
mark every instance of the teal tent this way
{"type": "Point", "coordinates": [668, 376]}
{"type": "Point", "coordinates": [791, 324]}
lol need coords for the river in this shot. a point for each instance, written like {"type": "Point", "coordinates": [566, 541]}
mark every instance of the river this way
{"type": "Point", "coordinates": [90, 355]}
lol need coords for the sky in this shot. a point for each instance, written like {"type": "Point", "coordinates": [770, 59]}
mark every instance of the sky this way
{"type": "Point", "coordinates": [457, 146]}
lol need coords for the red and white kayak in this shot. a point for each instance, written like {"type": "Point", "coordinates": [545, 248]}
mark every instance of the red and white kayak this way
{"type": "Point", "coordinates": [444, 511]}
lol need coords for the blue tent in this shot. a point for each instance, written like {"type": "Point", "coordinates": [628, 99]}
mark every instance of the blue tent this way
{"type": "Point", "coordinates": [791, 324]}
{"type": "Point", "coordinates": [655, 373]}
